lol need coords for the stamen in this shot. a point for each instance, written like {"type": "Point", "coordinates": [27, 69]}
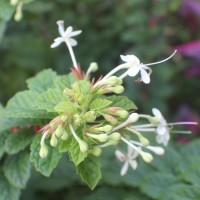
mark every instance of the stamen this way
{"type": "Point", "coordinates": [155, 63]}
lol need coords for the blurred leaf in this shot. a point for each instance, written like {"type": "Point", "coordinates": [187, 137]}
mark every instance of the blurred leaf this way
{"type": "Point", "coordinates": [99, 104]}
{"type": "Point", "coordinates": [6, 10]}
{"type": "Point", "coordinates": [17, 169]}
{"type": "Point", "coordinates": [66, 106]}
{"type": "Point", "coordinates": [2, 143]}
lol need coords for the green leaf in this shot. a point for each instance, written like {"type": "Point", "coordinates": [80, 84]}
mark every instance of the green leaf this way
{"type": "Point", "coordinates": [61, 82]}
{"type": "Point", "coordinates": [8, 192]}
{"type": "Point", "coordinates": [49, 99]}
{"type": "Point", "coordinates": [157, 182]}
{"type": "Point", "coordinates": [99, 104]}
{"type": "Point", "coordinates": [22, 106]}
{"type": "Point", "coordinates": [16, 142]}
{"type": "Point", "coordinates": [89, 171]}
{"type": "Point", "coordinates": [121, 101]}
{"type": "Point", "coordinates": [17, 169]}
{"type": "Point", "coordinates": [42, 81]}
{"type": "Point", "coordinates": [6, 10]}
{"type": "Point", "coordinates": [76, 155]}
{"type": "Point", "coordinates": [66, 107]}
{"type": "Point", "coordinates": [44, 165]}
{"type": "Point", "coordinates": [2, 143]}
{"type": "Point", "coordinates": [65, 145]}
{"type": "Point", "coordinates": [81, 87]}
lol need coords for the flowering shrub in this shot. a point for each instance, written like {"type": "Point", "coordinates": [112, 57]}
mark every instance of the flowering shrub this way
{"type": "Point", "coordinates": [77, 117]}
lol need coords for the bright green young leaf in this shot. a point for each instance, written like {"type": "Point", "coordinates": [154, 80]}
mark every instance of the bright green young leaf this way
{"type": "Point", "coordinates": [66, 107]}
{"type": "Point", "coordinates": [17, 169]}
{"type": "Point", "coordinates": [81, 87]}
{"type": "Point", "coordinates": [49, 99]}
{"type": "Point", "coordinates": [75, 153]}
{"type": "Point", "coordinates": [61, 82]}
{"type": "Point", "coordinates": [16, 142]}
{"type": "Point", "coordinates": [42, 81]}
{"type": "Point", "coordinates": [8, 192]}
{"type": "Point", "coordinates": [99, 104]}
{"type": "Point", "coordinates": [65, 145]}
{"type": "Point", "coordinates": [121, 101]}
{"type": "Point", "coordinates": [89, 171]}
{"type": "Point", "coordinates": [44, 165]}
{"type": "Point", "coordinates": [22, 106]}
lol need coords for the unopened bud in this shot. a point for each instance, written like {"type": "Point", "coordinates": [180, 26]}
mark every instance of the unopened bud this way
{"type": "Point", "coordinates": [96, 151]}
{"type": "Point", "coordinates": [156, 150]}
{"type": "Point", "coordinates": [113, 80]}
{"type": "Point", "coordinates": [117, 89]}
{"type": "Point", "coordinates": [90, 116]}
{"type": "Point", "coordinates": [14, 2]}
{"type": "Point", "coordinates": [115, 136]}
{"type": "Point", "coordinates": [83, 145]}
{"type": "Point", "coordinates": [43, 151]}
{"type": "Point", "coordinates": [77, 119]}
{"type": "Point", "coordinates": [110, 119]}
{"type": "Point", "coordinates": [122, 113]}
{"type": "Point", "coordinates": [132, 118]}
{"type": "Point", "coordinates": [153, 120]}
{"type": "Point", "coordinates": [68, 92]}
{"type": "Point", "coordinates": [53, 140]}
{"type": "Point", "coordinates": [147, 157]}
{"type": "Point", "coordinates": [106, 128]}
{"type": "Point", "coordinates": [18, 15]}
{"type": "Point", "coordinates": [93, 67]}
{"type": "Point", "coordinates": [144, 141]}
{"type": "Point", "coordinates": [64, 118]}
{"type": "Point", "coordinates": [65, 135]}
{"type": "Point", "coordinates": [59, 131]}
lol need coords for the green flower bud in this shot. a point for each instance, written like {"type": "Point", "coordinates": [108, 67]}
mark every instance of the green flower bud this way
{"type": "Point", "coordinates": [114, 136]}
{"type": "Point", "coordinates": [122, 113]}
{"type": "Point", "coordinates": [90, 116]}
{"type": "Point", "coordinates": [64, 118]}
{"type": "Point", "coordinates": [53, 141]}
{"type": "Point", "coordinates": [93, 67]}
{"type": "Point", "coordinates": [18, 15]}
{"type": "Point", "coordinates": [147, 157]}
{"type": "Point", "coordinates": [106, 128]}
{"type": "Point", "coordinates": [59, 131]}
{"type": "Point", "coordinates": [96, 151]}
{"type": "Point", "coordinates": [113, 80]}
{"type": "Point", "coordinates": [109, 143]}
{"type": "Point", "coordinates": [43, 151]}
{"type": "Point", "coordinates": [14, 2]}
{"type": "Point", "coordinates": [65, 135]}
{"type": "Point", "coordinates": [101, 137]}
{"type": "Point", "coordinates": [153, 120]}
{"type": "Point", "coordinates": [117, 89]}
{"type": "Point", "coordinates": [83, 145]}
{"type": "Point", "coordinates": [110, 119]}
{"type": "Point", "coordinates": [144, 141]}
{"type": "Point", "coordinates": [132, 118]}
{"type": "Point", "coordinates": [77, 119]}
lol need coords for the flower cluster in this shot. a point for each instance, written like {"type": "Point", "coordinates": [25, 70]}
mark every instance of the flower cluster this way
{"type": "Point", "coordinates": [87, 116]}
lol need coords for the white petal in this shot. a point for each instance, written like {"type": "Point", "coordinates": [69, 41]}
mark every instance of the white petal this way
{"type": "Point", "coordinates": [120, 156]}
{"type": "Point", "coordinates": [157, 113]}
{"type": "Point", "coordinates": [74, 33]}
{"type": "Point", "coordinates": [73, 42]}
{"type": "Point", "coordinates": [133, 164]}
{"type": "Point", "coordinates": [159, 139]}
{"type": "Point", "coordinates": [124, 169]}
{"type": "Point", "coordinates": [58, 39]}
{"type": "Point", "coordinates": [133, 71]}
{"type": "Point", "coordinates": [130, 59]}
{"type": "Point", "coordinates": [145, 76]}
{"type": "Point", "coordinates": [57, 43]}
{"type": "Point", "coordinates": [161, 130]}
{"type": "Point", "coordinates": [61, 27]}
{"type": "Point", "coordinates": [68, 31]}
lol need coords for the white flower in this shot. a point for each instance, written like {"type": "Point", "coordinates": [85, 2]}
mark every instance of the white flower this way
{"type": "Point", "coordinates": [162, 129]}
{"type": "Point", "coordinates": [137, 67]}
{"type": "Point", "coordinates": [128, 159]}
{"type": "Point", "coordinates": [66, 36]}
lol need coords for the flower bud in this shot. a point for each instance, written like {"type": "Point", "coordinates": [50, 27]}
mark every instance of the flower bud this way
{"type": "Point", "coordinates": [63, 118]}
{"type": "Point", "coordinates": [117, 89]}
{"type": "Point", "coordinates": [18, 15]}
{"type": "Point", "coordinates": [106, 128]}
{"type": "Point", "coordinates": [68, 92]}
{"type": "Point", "coordinates": [144, 141]}
{"type": "Point", "coordinates": [114, 136]}
{"type": "Point", "coordinates": [110, 119]}
{"type": "Point", "coordinates": [77, 119]}
{"type": "Point", "coordinates": [113, 80]}
{"type": "Point", "coordinates": [83, 145]}
{"type": "Point", "coordinates": [96, 151]}
{"type": "Point", "coordinates": [59, 131]}
{"type": "Point", "coordinates": [14, 2]}
{"type": "Point", "coordinates": [93, 67]}
{"type": "Point", "coordinates": [109, 143]}
{"type": "Point", "coordinates": [43, 151]}
{"type": "Point", "coordinates": [154, 120]}
{"type": "Point", "coordinates": [147, 157]}
{"type": "Point", "coordinates": [122, 113]}
{"type": "Point", "coordinates": [53, 140]}
{"type": "Point", "coordinates": [156, 150]}
{"type": "Point", "coordinates": [90, 116]}
{"type": "Point", "coordinates": [65, 135]}
{"type": "Point", "coordinates": [132, 118]}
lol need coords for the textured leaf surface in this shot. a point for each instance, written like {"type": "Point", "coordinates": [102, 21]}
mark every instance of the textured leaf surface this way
{"type": "Point", "coordinates": [42, 81]}
{"type": "Point", "coordinates": [49, 99]}
{"type": "Point", "coordinates": [89, 171]}
{"type": "Point", "coordinates": [99, 103]}
{"type": "Point", "coordinates": [17, 169]}
{"type": "Point", "coordinates": [8, 192]}
{"type": "Point", "coordinates": [67, 107]}
{"type": "Point", "coordinates": [2, 143]}
{"type": "Point", "coordinates": [122, 101]}
{"type": "Point", "coordinates": [44, 165]}
{"type": "Point", "coordinates": [22, 106]}
{"type": "Point", "coordinates": [18, 141]}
